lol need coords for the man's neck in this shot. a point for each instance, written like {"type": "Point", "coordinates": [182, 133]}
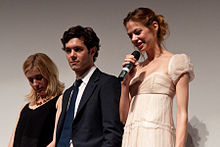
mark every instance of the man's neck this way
{"type": "Point", "coordinates": [82, 73]}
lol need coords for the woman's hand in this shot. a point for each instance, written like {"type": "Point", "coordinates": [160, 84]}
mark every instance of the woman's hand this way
{"type": "Point", "coordinates": [129, 59]}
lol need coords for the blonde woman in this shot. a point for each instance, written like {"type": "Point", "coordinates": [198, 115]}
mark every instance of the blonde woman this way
{"type": "Point", "coordinates": [36, 121]}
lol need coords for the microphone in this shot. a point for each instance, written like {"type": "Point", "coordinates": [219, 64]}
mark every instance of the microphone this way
{"type": "Point", "coordinates": [126, 69]}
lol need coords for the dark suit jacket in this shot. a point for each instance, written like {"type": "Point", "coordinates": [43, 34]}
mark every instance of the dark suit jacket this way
{"type": "Point", "coordinates": [97, 122]}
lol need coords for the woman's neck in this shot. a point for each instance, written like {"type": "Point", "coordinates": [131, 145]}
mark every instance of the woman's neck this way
{"type": "Point", "coordinates": [154, 52]}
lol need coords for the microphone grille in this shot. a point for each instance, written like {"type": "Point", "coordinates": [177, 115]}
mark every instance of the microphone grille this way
{"type": "Point", "coordinates": [136, 55]}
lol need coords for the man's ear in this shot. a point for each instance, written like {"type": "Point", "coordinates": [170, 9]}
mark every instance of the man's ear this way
{"type": "Point", "coordinates": [93, 50]}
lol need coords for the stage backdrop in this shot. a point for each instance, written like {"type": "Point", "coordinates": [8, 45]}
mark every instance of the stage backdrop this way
{"type": "Point", "coordinates": [28, 26]}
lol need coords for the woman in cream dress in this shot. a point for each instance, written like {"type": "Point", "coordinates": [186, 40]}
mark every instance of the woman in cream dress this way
{"type": "Point", "coordinates": [148, 90]}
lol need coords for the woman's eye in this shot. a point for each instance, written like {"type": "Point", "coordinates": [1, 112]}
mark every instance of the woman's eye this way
{"type": "Point", "coordinates": [137, 32]}
{"type": "Point", "coordinates": [31, 80]}
{"type": "Point", "coordinates": [39, 77]}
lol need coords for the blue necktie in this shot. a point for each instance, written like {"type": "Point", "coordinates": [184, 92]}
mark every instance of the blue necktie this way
{"type": "Point", "coordinates": [67, 126]}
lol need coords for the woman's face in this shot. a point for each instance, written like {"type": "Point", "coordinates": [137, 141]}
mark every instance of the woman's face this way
{"type": "Point", "coordinates": [142, 37]}
{"type": "Point", "coordinates": [37, 81]}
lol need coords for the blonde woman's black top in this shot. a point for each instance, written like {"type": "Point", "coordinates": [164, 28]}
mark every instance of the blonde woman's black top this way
{"type": "Point", "coordinates": [35, 126]}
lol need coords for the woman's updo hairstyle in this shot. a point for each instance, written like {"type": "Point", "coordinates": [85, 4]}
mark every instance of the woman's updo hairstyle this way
{"type": "Point", "coordinates": [146, 16]}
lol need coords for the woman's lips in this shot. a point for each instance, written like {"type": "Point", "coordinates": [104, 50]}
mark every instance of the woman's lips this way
{"type": "Point", "coordinates": [140, 46]}
{"type": "Point", "coordinates": [38, 90]}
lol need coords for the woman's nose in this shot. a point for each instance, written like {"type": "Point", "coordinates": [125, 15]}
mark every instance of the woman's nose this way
{"type": "Point", "coordinates": [35, 82]}
{"type": "Point", "coordinates": [134, 38]}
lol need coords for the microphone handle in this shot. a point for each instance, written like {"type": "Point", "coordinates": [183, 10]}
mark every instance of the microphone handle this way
{"type": "Point", "coordinates": [126, 69]}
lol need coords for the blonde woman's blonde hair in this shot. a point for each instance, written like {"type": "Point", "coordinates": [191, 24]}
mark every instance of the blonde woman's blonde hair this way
{"type": "Point", "coordinates": [48, 70]}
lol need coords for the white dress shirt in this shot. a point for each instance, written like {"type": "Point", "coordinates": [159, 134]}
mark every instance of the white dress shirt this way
{"type": "Point", "coordinates": [85, 79]}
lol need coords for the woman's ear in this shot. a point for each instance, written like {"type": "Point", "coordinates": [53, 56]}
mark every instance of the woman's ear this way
{"type": "Point", "coordinates": [155, 25]}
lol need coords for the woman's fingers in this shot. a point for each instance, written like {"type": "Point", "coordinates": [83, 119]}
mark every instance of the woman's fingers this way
{"type": "Point", "coordinates": [129, 59]}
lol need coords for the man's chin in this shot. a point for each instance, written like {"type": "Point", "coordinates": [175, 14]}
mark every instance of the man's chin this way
{"type": "Point", "coordinates": [74, 67]}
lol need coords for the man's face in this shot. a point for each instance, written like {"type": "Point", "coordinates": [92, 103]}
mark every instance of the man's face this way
{"type": "Point", "coordinates": [78, 56]}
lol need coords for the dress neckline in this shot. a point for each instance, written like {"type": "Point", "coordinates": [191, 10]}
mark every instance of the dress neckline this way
{"type": "Point", "coordinates": [159, 72]}
{"type": "Point", "coordinates": [33, 109]}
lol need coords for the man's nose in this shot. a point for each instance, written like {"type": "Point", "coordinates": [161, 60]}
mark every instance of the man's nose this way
{"type": "Point", "coordinates": [73, 53]}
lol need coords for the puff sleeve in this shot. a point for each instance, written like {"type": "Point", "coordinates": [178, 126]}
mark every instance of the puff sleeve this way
{"type": "Point", "coordinates": [179, 65]}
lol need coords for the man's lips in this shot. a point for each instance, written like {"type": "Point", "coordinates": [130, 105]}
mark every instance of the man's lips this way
{"type": "Point", "coordinates": [73, 62]}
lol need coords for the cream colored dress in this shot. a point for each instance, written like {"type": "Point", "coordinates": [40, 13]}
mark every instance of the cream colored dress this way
{"type": "Point", "coordinates": [150, 119]}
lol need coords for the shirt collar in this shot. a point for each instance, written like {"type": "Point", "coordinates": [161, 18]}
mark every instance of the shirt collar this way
{"type": "Point", "coordinates": [85, 78]}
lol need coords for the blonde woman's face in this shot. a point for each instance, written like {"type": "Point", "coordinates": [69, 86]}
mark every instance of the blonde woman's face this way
{"type": "Point", "coordinates": [142, 37]}
{"type": "Point", "coordinates": [37, 81]}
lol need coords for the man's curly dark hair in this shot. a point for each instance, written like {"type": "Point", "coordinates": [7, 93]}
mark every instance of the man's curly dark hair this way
{"type": "Point", "coordinates": [90, 38]}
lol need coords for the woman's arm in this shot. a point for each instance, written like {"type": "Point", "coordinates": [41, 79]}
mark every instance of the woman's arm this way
{"type": "Point", "coordinates": [182, 96]}
{"type": "Point", "coordinates": [124, 102]}
{"type": "Point", "coordinates": [125, 96]}
{"type": "Point", "coordinates": [11, 142]}
{"type": "Point", "coordinates": [59, 109]}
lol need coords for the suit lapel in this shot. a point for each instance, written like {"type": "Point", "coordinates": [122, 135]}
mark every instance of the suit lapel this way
{"type": "Point", "coordinates": [90, 87]}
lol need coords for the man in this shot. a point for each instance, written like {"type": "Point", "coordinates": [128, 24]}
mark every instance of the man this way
{"type": "Point", "coordinates": [95, 121]}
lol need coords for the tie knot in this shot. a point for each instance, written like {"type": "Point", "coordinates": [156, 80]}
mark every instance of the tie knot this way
{"type": "Point", "coordinates": [78, 82]}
